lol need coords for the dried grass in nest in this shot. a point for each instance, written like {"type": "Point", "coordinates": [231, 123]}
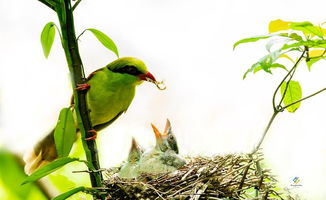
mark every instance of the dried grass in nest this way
{"type": "Point", "coordinates": [227, 177]}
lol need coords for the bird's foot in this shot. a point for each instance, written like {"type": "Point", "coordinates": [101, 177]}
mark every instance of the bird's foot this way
{"type": "Point", "coordinates": [83, 86]}
{"type": "Point", "coordinates": [94, 132]}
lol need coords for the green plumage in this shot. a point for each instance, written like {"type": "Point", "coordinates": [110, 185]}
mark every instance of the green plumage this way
{"type": "Point", "coordinates": [111, 91]}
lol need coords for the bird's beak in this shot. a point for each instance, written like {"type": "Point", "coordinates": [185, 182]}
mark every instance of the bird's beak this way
{"type": "Point", "coordinates": [147, 77]}
{"type": "Point", "coordinates": [157, 133]}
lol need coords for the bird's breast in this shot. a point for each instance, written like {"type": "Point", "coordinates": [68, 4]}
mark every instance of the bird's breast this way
{"type": "Point", "coordinates": [106, 98]}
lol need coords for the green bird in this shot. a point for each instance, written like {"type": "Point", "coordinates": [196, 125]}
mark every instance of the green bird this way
{"type": "Point", "coordinates": [110, 91]}
{"type": "Point", "coordinates": [131, 168]}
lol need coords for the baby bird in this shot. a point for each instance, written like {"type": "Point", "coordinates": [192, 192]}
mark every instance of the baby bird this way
{"type": "Point", "coordinates": [131, 169]}
{"type": "Point", "coordinates": [164, 156]}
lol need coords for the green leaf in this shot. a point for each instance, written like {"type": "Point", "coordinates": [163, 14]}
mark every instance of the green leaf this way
{"type": "Point", "coordinates": [47, 38]}
{"type": "Point", "coordinates": [307, 28]}
{"type": "Point", "coordinates": [12, 175]}
{"type": "Point", "coordinates": [48, 169]}
{"type": "Point", "coordinates": [105, 40]}
{"type": "Point", "coordinates": [293, 93]}
{"type": "Point", "coordinates": [308, 43]}
{"type": "Point", "coordinates": [251, 39]}
{"type": "Point", "coordinates": [61, 182]}
{"type": "Point", "coordinates": [65, 132]}
{"type": "Point", "coordinates": [312, 61]}
{"type": "Point", "coordinates": [295, 36]}
{"type": "Point", "coordinates": [65, 195]}
{"type": "Point", "coordinates": [265, 63]}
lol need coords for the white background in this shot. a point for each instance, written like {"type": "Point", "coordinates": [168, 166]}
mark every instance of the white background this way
{"type": "Point", "coordinates": [187, 43]}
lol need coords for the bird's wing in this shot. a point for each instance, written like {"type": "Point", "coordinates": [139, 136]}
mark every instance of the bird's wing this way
{"type": "Point", "coordinates": [87, 79]}
{"type": "Point", "coordinates": [99, 127]}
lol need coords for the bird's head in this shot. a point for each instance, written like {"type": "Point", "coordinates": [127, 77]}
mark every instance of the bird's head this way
{"type": "Point", "coordinates": [167, 139]}
{"type": "Point", "coordinates": [135, 152]}
{"type": "Point", "coordinates": [169, 136]}
{"type": "Point", "coordinates": [133, 67]}
{"type": "Point", "coordinates": [161, 143]}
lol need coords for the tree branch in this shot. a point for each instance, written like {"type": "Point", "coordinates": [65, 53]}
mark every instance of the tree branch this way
{"type": "Point", "coordinates": [70, 45]}
{"type": "Point", "coordinates": [276, 108]}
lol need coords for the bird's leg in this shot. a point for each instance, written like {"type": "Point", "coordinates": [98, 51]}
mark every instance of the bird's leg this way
{"type": "Point", "coordinates": [83, 86]}
{"type": "Point", "coordinates": [94, 132]}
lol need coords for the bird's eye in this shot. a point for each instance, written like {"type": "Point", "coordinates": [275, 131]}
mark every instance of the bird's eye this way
{"type": "Point", "coordinates": [128, 69]}
{"type": "Point", "coordinates": [131, 69]}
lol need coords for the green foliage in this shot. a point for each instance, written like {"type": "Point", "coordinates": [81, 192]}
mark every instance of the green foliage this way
{"type": "Point", "coordinates": [307, 28]}
{"type": "Point", "coordinates": [105, 40]}
{"type": "Point", "coordinates": [47, 38]}
{"type": "Point", "coordinates": [48, 169]}
{"type": "Point", "coordinates": [69, 193]}
{"type": "Point", "coordinates": [11, 176]}
{"type": "Point", "coordinates": [293, 93]}
{"type": "Point", "coordinates": [266, 63]}
{"type": "Point", "coordinates": [65, 132]}
{"type": "Point", "coordinates": [297, 36]}
{"type": "Point", "coordinates": [251, 39]}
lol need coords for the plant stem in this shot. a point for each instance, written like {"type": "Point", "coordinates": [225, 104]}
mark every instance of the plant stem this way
{"type": "Point", "coordinates": [70, 45]}
{"type": "Point", "coordinates": [279, 108]}
{"type": "Point", "coordinates": [265, 132]}
{"type": "Point", "coordinates": [276, 108]}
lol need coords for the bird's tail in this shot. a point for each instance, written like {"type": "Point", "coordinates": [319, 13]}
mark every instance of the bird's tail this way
{"type": "Point", "coordinates": [42, 153]}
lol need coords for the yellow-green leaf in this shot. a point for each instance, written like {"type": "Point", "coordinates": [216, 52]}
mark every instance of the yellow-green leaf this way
{"type": "Point", "coordinates": [105, 40]}
{"type": "Point", "coordinates": [65, 132]}
{"type": "Point", "coordinates": [316, 52]}
{"type": "Point", "coordinates": [307, 28]}
{"type": "Point", "coordinates": [48, 169]}
{"type": "Point", "coordinates": [278, 25]}
{"type": "Point", "coordinates": [293, 93]}
{"type": "Point", "coordinates": [47, 38]}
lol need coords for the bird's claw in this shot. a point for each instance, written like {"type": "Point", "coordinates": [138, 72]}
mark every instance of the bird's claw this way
{"type": "Point", "coordinates": [93, 137]}
{"type": "Point", "coordinates": [83, 86]}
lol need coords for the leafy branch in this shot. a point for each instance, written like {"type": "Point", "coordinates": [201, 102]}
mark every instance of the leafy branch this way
{"type": "Point", "coordinates": [65, 131]}
{"type": "Point", "coordinates": [301, 37]}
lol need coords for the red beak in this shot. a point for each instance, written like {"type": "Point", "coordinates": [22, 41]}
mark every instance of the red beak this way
{"type": "Point", "coordinates": [147, 76]}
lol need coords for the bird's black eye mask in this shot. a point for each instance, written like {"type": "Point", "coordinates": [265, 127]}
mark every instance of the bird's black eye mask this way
{"type": "Point", "coordinates": [128, 69]}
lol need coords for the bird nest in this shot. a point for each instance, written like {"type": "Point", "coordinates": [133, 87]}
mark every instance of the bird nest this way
{"type": "Point", "coordinates": [233, 176]}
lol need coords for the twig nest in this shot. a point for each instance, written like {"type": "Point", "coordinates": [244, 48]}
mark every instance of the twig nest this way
{"type": "Point", "coordinates": [232, 176]}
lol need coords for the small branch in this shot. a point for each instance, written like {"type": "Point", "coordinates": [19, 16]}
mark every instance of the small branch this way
{"type": "Point", "coordinates": [276, 108]}
{"type": "Point", "coordinates": [307, 97]}
{"type": "Point", "coordinates": [265, 132]}
{"type": "Point", "coordinates": [49, 3]}
{"type": "Point", "coordinates": [81, 34]}
{"type": "Point", "coordinates": [75, 5]}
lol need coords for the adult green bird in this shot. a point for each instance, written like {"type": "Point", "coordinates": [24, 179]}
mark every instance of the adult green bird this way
{"type": "Point", "coordinates": [110, 91]}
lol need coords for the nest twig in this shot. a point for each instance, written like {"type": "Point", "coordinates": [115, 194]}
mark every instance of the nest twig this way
{"type": "Point", "coordinates": [227, 177]}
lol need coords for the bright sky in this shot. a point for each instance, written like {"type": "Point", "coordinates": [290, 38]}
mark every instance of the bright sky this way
{"type": "Point", "coordinates": [188, 44]}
